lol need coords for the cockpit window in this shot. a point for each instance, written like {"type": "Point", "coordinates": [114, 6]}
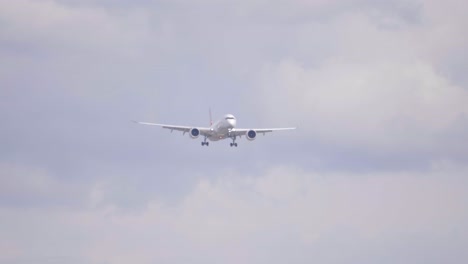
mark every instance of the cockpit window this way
{"type": "Point", "coordinates": [229, 117]}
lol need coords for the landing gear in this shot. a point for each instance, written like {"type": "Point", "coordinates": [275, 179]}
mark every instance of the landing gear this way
{"type": "Point", "coordinates": [205, 143]}
{"type": "Point", "coordinates": [234, 144]}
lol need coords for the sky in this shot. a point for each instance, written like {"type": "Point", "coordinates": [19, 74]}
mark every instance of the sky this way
{"type": "Point", "coordinates": [377, 171]}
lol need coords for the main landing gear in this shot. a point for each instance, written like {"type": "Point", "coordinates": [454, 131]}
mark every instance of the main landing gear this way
{"type": "Point", "coordinates": [234, 144]}
{"type": "Point", "coordinates": [205, 143]}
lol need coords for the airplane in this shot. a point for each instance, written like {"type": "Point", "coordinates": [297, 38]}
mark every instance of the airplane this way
{"type": "Point", "coordinates": [222, 129]}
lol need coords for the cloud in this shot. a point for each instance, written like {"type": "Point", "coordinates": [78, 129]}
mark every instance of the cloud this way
{"type": "Point", "coordinates": [371, 204]}
{"type": "Point", "coordinates": [58, 29]}
{"type": "Point", "coordinates": [25, 187]}
{"type": "Point", "coordinates": [284, 213]}
{"type": "Point", "coordinates": [376, 89]}
{"type": "Point", "coordinates": [366, 82]}
{"type": "Point", "coordinates": [381, 105]}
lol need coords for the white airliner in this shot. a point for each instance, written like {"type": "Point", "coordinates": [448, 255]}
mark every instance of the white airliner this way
{"type": "Point", "coordinates": [222, 129]}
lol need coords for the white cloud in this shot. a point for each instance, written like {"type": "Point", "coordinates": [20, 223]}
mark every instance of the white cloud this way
{"type": "Point", "coordinates": [382, 105]}
{"type": "Point", "coordinates": [378, 89]}
{"type": "Point", "coordinates": [355, 74]}
{"type": "Point", "coordinates": [59, 29]}
{"type": "Point", "coordinates": [22, 186]}
{"type": "Point", "coordinates": [248, 219]}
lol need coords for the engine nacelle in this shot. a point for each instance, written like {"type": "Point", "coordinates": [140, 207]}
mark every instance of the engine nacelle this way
{"type": "Point", "coordinates": [194, 133]}
{"type": "Point", "coordinates": [251, 135]}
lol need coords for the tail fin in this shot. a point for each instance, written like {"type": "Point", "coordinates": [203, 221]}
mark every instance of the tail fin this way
{"type": "Point", "coordinates": [211, 119]}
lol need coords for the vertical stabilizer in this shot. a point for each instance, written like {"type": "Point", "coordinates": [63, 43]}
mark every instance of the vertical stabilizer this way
{"type": "Point", "coordinates": [211, 118]}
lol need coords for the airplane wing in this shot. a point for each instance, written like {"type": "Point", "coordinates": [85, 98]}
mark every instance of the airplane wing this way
{"type": "Point", "coordinates": [243, 131]}
{"type": "Point", "coordinates": [204, 131]}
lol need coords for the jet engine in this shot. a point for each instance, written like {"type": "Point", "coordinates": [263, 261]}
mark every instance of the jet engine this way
{"type": "Point", "coordinates": [251, 135]}
{"type": "Point", "coordinates": [194, 132]}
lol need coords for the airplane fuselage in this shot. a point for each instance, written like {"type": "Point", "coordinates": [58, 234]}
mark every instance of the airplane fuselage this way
{"type": "Point", "coordinates": [220, 129]}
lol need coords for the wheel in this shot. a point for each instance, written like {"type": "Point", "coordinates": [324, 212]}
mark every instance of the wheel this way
{"type": "Point", "coordinates": [235, 144]}
{"type": "Point", "coordinates": [230, 144]}
{"type": "Point", "coordinates": [203, 143]}
{"type": "Point", "coordinates": [207, 144]}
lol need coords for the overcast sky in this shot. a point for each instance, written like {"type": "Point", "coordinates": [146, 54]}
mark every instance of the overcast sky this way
{"type": "Point", "coordinates": [377, 171]}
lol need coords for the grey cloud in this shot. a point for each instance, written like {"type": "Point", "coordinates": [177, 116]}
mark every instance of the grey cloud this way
{"type": "Point", "coordinates": [77, 176]}
{"type": "Point", "coordinates": [307, 89]}
{"type": "Point", "coordinates": [24, 187]}
{"type": "Point", "coordinates": [99, 89]}
{"type": "Point", "coordinates": [406, 217]}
